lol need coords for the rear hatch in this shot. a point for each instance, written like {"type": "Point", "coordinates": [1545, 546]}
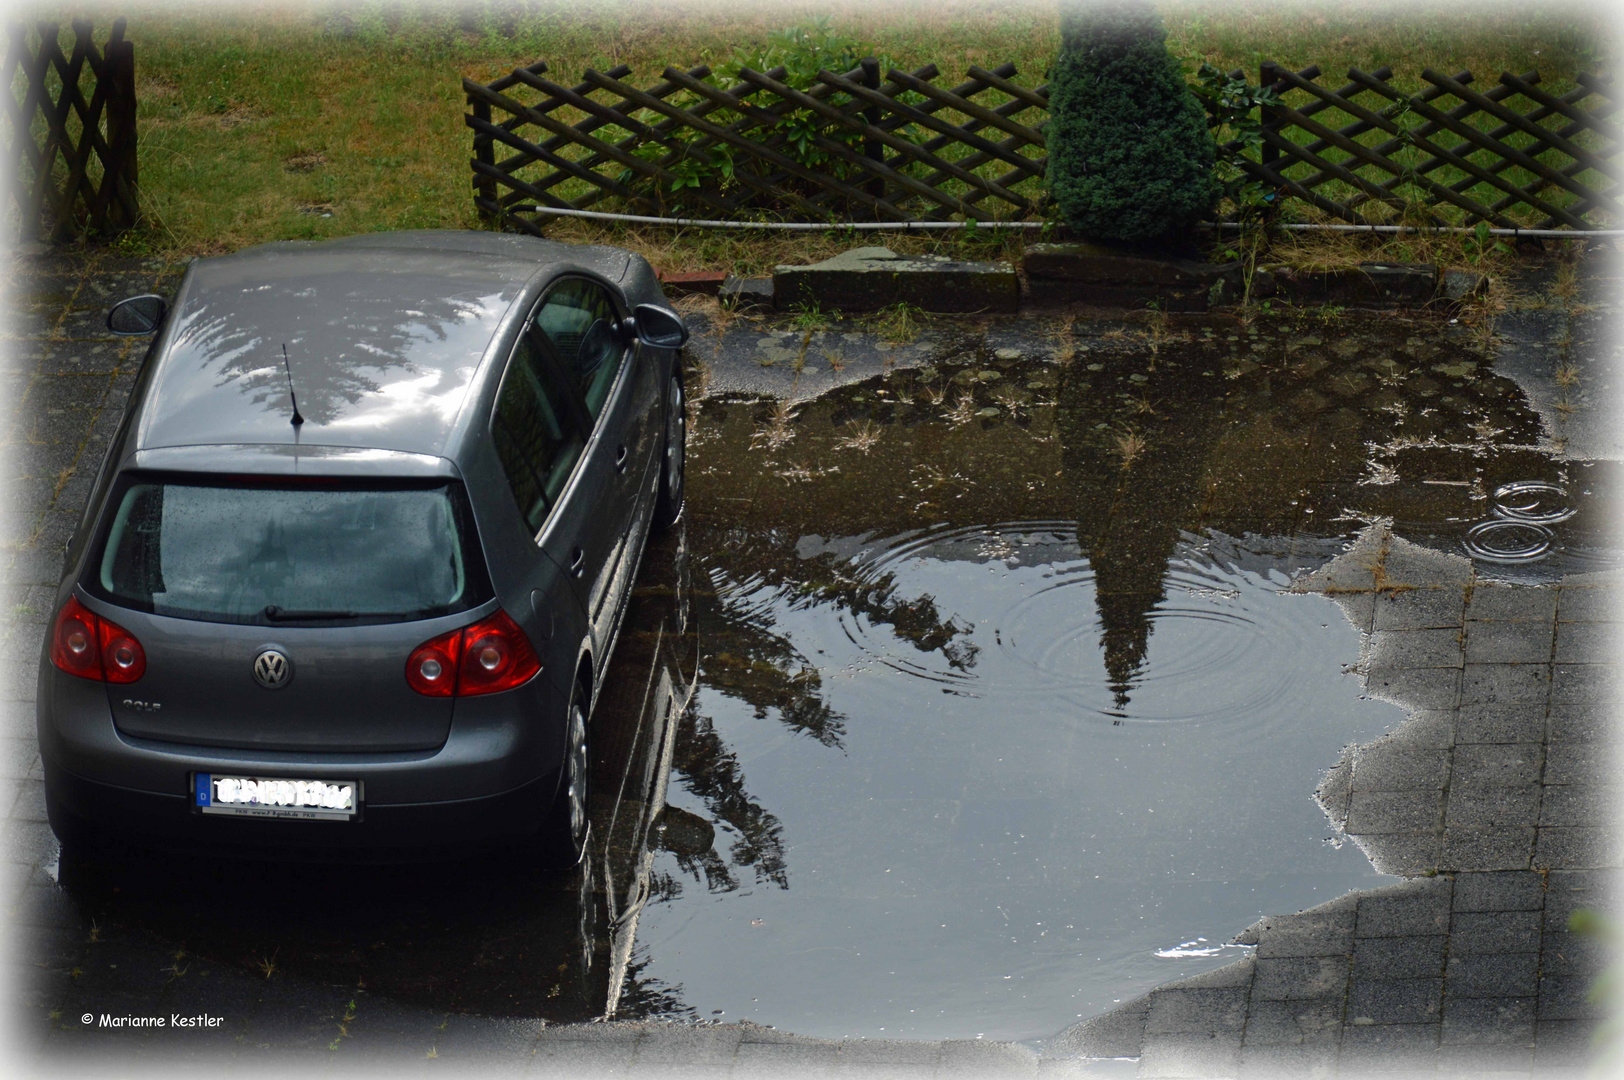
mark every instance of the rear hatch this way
{"type": "Point", "coordinates": [339, 579]}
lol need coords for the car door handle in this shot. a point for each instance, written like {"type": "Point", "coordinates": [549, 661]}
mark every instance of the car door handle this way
{"type": "Point", "coordinates": [577, 561]}
{"type": "Point", "coordinates": [620, 458]}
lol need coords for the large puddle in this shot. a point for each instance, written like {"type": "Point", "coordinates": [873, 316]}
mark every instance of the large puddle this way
{"type": "Point", "coordinates": [972, 690]}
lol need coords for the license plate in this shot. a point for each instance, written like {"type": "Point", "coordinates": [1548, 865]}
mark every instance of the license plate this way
{"type": "Point", "coordinates": [276, 797]}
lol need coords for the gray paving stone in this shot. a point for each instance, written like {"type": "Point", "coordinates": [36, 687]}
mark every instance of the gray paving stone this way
{"type": "Point", "coordinates": [1424, 729]}
{"type": "Point", "coordinates": [1399, 958]}
{"type": "Point", "coordinates": [1500, 724]}
{"type": "Point", "coordinates": [1577, 763]}
{"type": "Point", "coordinates": [1564, 953]}
{"type": "Point", "coordinates": [1313, 933]}
{"type": "Point", "coordinates": [1566, 891]}
{"type": "Point", "coordinates": [1501, 684]}
{"type": "Point", "coordinates": [1499, 848]}
{"type": "Point", "coordinates": [1567, 997]}
{"type": "Point", "coordinates": [1506, 1061]}
{"type": "Point", "coordinates": [1581, 723]}
{"type": "Point", "coordinates": [1395, 1001]}
{"type": "Point", "coordinates": [1493, 1020]}
{"type": "Point", "coordinates": [1298, 1022]}
{"type": "Point", "coordinates": [1415, 649]}
{"type": "Point", "coordinates": [1396, 767]}
{"type": "Point", "coordinates": [1498, 892]}
{"type": "Point", "coordinates": [1190, 1055]}
{"type": "Point", "coordinates": [1410, 909]}
{"type": "Point", "coordinates": [1580, 804]}
{"type": "Point", "coordinates": [1495, 975]}
{"type": "Point", "coordinates": [1476, 933]}
{"type": "Point", "coordinates": [1508, 643]}
{"type": "Point", "coordinates": [1286, 1061]}
{"type": "Point", "coordinates": [1119, 1033]}
{"type": "Point", "coordinates": [1214, 1010]}
{"type": "Point", "coordinates": [1403, 854]}
{"type": "Point", "coordinates": [1589, 643]}
{"type": "Point", "coordinates": [1519, 603]}
{"type": "Point", "coordinates": [1420, 609]}
{"type": "Point", "coordinates": [1409, 563]}
{"type": "Point", "coordinates": [1565, 1045]}
{"type": "Point", "coordinates": [677, 1044]}
{"type": "Point", "coordinates": [1394, 811]}
{"type": "Point", "coordinates": [1396, 1049]}
{"type": "Point", "coordinates": [1562, 848]}
{"type": "Point", "coordinates": [1417, 688]}
{"type": "Point", "coordinates": [1491, 807]}
{"type": "Point", "coordinates": [1587, 684]}
{"type": "Point", "coordinates": [1288, 977]}
{"type": "Point", "coordinates": [1588, 605]}
{"type": "Point", "coordinates": [1496, 765]}
{"type": "Point", "coordinates": [976, 1057]}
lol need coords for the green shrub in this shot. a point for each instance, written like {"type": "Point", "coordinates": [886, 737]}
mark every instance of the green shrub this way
{"type": "Point", "coordinates": [1130, 157]}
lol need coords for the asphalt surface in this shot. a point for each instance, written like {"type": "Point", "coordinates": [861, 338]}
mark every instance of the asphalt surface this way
{"type": "Point", "coordinates": [1495, 800]}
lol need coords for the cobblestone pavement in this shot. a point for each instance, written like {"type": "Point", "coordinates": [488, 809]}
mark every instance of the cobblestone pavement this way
{"type": "Point", "coordinates": [1495, 799]}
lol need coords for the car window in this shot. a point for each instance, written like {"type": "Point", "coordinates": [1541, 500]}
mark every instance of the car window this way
{"type": "Point", "coordinates": [533, 433]}
{"type": "Point", "coordinates": [225, 553]}
{"type": "Point", "coordinates": [579, 319]}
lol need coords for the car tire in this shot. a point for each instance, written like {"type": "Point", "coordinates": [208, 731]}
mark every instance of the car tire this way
{"type": "Point", "coordinates": [563, 836]}
{"type": "Point", "coordinates": [673, 458]}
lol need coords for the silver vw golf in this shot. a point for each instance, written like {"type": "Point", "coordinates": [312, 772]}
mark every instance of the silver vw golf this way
{"type": "Point", "coordinates": [353, 566]}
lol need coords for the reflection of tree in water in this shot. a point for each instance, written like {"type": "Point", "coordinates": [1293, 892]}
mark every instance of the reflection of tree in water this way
{"type": "Point", "coordinates": [761, 667]}
{"type": "Point", "coordinates": [644, 995]}
{"type": "Point", "coordinates": [1268, 438]}
{"type": "Point", "coordinates": [712, 772]}
{"type": "Point", "coordinates": [238, 334]}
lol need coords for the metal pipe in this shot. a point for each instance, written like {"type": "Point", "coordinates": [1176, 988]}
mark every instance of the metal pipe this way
{"type": "Point", "coordinates": [911, 226]}
{"type": "Point", "coordinates": [792, 226]}
{"type": "Point", "coordinates": [1453, 230]}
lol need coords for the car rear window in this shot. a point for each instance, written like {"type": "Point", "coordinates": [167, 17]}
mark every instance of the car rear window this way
{"type": "Point", "coordinates": [260, 553]}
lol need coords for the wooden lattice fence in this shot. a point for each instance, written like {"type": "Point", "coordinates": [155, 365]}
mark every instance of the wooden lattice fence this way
{"type": "Point", "coordinates": [859, 146]}
{"type": "Point", "coordinates": [1512, 155]}
{"type": "Point", "coordinates": [70, 149]}
{"type": "Point", "coordinates": [897, 148]}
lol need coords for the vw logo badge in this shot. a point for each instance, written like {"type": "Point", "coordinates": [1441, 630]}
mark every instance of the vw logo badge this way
{"type": "Point", "coordinates": [272, 669]}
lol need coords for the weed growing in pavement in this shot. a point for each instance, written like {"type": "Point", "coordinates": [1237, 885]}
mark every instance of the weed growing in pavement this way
{"type": "Point", "coordinates": [1129, 445]}
{"type": "Point", "coordinates": [897, 323]}
{"type": "Point", "coordinates": [864, 435]}
{"type": "Point", "coordinates": [778, 430]}
{"type": "Point", "coordinates": [806, 315]}
{"type": "Point", "coordinates": [1566, 374]}
{"type": "Point", "coordinates": [963, 411]}
{"type": "Point", "coordinates": [1012, 400]}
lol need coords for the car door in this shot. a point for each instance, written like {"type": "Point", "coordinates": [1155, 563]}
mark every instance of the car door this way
{"type": "Point", "coordinates": [540, 435]}
{"type": "Point", "coordinates": [585, 333]}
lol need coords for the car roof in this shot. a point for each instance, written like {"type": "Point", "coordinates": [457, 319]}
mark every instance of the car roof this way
{"type": "Point", "coordinates": [384, 334]}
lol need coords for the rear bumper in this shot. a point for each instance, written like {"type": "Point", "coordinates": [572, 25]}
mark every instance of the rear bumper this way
{"type": "Point", "coordinates": [106, 813]}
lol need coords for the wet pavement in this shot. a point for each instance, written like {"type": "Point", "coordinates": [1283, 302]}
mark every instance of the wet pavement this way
{"type": "Point", "coordinates": [999, 677]}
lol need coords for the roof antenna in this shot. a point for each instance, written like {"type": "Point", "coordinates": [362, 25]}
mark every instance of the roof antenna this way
{"type": "Point", "coordinates": [297, 419]}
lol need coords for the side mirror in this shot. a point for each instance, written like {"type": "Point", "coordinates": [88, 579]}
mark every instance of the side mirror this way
{"type": "Point", "coordinates": [659, 327]}
{"type": "Point", "coordinates": [137, 316]}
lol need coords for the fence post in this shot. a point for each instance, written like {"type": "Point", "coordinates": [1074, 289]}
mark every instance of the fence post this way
{"type": "Point", "coordinates": [124, 206]}
{"type": "Point", "coordinates": [485, 153]}
{"type": "Point", "coordinates": [872, 149]}
{"type": "Point", "coordinates": [1269, 121]}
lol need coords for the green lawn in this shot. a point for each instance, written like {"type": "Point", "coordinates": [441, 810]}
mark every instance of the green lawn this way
{"type": "Point", "coordinates": [322, 119]}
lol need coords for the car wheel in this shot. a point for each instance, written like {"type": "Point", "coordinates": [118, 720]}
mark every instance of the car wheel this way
{"type": "Point", "coordinates": [564, 833]}
{"type": "Point", "coordinates": [669, 506]}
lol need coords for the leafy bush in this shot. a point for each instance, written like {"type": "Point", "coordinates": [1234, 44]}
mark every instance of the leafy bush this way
{"type": "Point", "coordinates": [802, 51]}
{"type": "Point", "coordinates": [1234, 112]}
{"type": "Point", "coordinates": [1130, 157]}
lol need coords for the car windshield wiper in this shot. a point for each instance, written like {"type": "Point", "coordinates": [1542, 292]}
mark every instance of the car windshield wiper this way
{"type": "Point", "coordinates": [281, 614]}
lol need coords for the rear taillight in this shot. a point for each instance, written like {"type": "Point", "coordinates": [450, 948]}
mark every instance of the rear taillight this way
{"type": "Point", "coordinates": [91, 647]}
{"type": "Point", "coordinates": [432, 667]}
{"type": "Point", "coordinates": [485, 658]}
